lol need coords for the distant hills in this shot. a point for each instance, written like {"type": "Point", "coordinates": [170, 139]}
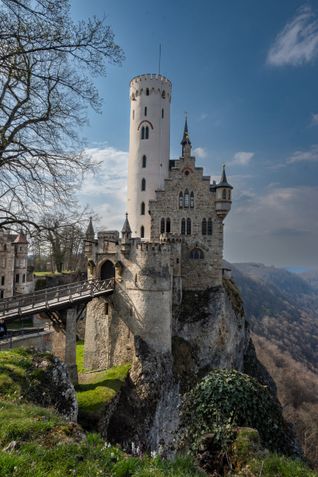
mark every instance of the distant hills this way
{"type": "Point", "coordinates": [282, 310]}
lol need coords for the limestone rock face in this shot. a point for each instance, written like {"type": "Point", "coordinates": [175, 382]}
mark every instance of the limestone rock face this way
{"type": "Point", "coordinates": [50, 385]}
{"type": "Point", "coordinates": [209, 332]}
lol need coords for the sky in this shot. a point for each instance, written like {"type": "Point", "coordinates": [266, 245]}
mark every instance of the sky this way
{"type": "Point", "coordinates": [246, 73]}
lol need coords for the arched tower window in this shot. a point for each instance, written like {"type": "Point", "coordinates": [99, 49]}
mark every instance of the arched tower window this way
{"type": "Point", "coordinates": [180, 200]}
{"type": "Point", "coordinates": [163, 94]}
{"type": "Point", "coordinates": [142, 231]}
{"type": "Point", "coordinates": [147, 92]}
{"type": "Point", "coordinates": [143, 184]}
{"type": "Point", "coordinates": [142, 208]}
{"type": "Point", "coordinates": [204, 229]}
{"type": "Point", "coordinates": [162, 226]}
{"type": "Point", "coordinates": [224, 194]}
{"type": "Point", "coordinates": [162, 113]}
{"type": "Point", "coordinates": [191, 200]}
{"type": "Point", "coordinates": [210, 227]}
{"type": "Point", "coordinates": [188, 226]}
{"type": "Point", "coordinates": [145, 132]}
{"type": "Point", "coordinates": [196, 254]}
{"type": "Point", "coordinates": [183, 227]}
{"type": "Point", "coordinates": [168, 226]}
{"type": "Point", "coordinates": [186, 198]}
{"type": "Point", "coordinates": [144, 161]}
{"type": "Point", "coordinates": [145, 111]}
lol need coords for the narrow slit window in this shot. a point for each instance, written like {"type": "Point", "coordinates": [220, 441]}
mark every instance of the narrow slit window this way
{"type": "Point", "coordinates": [162, 113]}
{"type": "Point", "coordinates": [162, 226]}
{"type": "Point", "coordinates": [142, 232]}
{"type": "Point", "coordinates": [144, 161]}
{"type": "Point", "coordinates": [147, 92]}
{"type": "Point", "coordinates": [183, 227]}
{"type": "Point", "coordinates": [143, 184]}
{"type": "Point", "coordinates": [143, 132]}
{"type": "Point", "coordinates": [145, 111]}
{"type": "Point", "coordinates": [168, 225]}
{"type": "Point", "coordinates": [147, 132]}
{"type": "Point", "coordinates": [188, 226]}
{"type": "Point", "coordinates": [210, 227]}
{"type": "Point", "coordinates": [180, 200]}
{"type": "Point", "coordinates": [186, 198]}
{"type": "Point", "coordinates": [142, 208]}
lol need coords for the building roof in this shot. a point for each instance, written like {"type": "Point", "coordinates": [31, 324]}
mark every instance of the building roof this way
{"type": "Point", "coordinates": [21, 238]}
{"type": "Point", "coordinates": [90, 229]}
{"type": "Point", "coordinates": [186, 138]}
{"type": "Point", "coordinates": [223, 182]}
{"type": "Point", "coordinates": [126, 227]}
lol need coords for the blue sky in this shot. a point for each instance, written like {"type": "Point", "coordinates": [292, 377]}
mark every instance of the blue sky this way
{"type": "Point", "coordinates": [247, 74]}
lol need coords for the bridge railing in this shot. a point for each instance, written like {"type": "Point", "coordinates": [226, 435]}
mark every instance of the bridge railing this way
{"type": "Point", "coordinates": [55, 295]}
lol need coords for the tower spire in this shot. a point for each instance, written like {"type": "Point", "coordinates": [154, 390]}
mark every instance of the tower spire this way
{"type": "Point", "coordinates": [186, 143]}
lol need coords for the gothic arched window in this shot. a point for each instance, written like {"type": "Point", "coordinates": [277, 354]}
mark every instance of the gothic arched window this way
{"type": "Point", "coordinates": [210, 227]}
{"type": "Point", "coordinates": [143, 184]}
{"type": "Point", "coordinates": [168, 225]}
{"type": "Point", "coordinates": [180, 200]}
{"type": "Point", "coordinates": [143, 132]}
{"type": "Point", "coordinates": [183, 227]}
{"type": "Point", "coordinates": [191, 200]}
{"type": "Point", "coordinates": [162, 226]}
{"type": "Point", "coordinates": [142, 208]}
{"type": "Point", "coordinates": [204, 229]}
{"type": "Point", "coordinates": [186, 198]}
{"type": "Point", "coordinates": [188, 226]}
{"type": "Point", "coordinates": [142, 231]}
{"type": "Point", "coordinates": [196, 254]}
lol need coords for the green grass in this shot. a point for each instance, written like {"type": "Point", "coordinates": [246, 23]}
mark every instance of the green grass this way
{"type": "Point", "coordinates": [279, 466]}
{"type": "Point", "coordinates": [80, 357]}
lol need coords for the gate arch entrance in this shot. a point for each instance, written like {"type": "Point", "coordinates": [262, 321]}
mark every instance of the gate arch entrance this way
{"type": "Point", "coordinates": [107, 270]}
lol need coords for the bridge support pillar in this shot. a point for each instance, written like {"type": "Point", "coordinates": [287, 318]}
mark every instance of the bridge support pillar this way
{"type": "Point", "coordinates": [70, 344]}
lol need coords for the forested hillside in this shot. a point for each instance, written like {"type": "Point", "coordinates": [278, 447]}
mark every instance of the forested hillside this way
{"type": "Point", "coordinates": [282, 310]}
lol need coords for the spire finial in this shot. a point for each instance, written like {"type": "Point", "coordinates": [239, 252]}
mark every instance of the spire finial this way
{"type": "Point", "coordinates": [186, 139]}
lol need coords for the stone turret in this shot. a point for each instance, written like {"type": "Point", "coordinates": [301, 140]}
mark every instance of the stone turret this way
{"type": "Point", "coordinates": [223, 200]}
{"type": "Point", "coordinates": [126, 236]}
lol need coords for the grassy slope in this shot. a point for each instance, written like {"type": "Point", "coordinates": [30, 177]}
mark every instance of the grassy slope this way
{"type": "Point", "coordinates": [37, 442]}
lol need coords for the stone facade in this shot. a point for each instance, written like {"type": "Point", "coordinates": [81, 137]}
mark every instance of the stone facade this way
{"type": "Point", "coordinates": [14, 276]}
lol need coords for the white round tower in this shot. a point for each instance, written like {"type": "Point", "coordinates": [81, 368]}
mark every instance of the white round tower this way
{"type": "Point", "coordinates": [149, 147]}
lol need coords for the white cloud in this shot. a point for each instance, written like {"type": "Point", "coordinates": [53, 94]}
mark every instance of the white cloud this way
{"type": "Point", "coordinates": [297, 43]}
{"type": "Point", "coordinates": [310, 155]}
{"type": "Point", "coordinates": [242, 158]}
{"type": "Point", "coordinates": [200, 152]}
{"type": "Point", "coordinates": [314, 119]}
{"type": "Point", "coordinates": [203, 116]}
{"type": "Point", "coordinates": [105, 191]}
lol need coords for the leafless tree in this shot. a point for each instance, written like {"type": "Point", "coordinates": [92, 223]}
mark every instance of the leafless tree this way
{"type": "Point", "coordinates": [47, 62]}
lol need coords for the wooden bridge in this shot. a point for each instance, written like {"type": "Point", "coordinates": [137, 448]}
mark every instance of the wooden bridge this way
{"type": "Point", "coordinates": [54, 299]}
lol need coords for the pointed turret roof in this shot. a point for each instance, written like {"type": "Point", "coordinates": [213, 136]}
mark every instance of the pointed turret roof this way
{"type": "Point", "coordinates": [90, 229]}
{"type": "Point", "coordinates": [126, 227]}
{"type": "Point", "coordinates": [186, 138]}
{"type": "Point", "coordinates": [20, 238]}
{"type": "Point", "coordinates": [223, 182]}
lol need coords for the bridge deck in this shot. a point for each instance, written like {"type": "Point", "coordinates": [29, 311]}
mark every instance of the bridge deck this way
{"type": "Point", "coordinates": [54, 298]}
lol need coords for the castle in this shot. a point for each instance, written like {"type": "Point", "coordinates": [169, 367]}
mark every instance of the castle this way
{"type": "Point", "coordinates": [171, 241]}
{"type": "Point", "coordinates": [14, 276]}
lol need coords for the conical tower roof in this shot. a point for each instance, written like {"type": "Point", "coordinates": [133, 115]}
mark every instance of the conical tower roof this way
{"type": "Point", "coordinates": [223, 182]}
{"type": "Point", "coordinates": [20, 238]}
{"type": "Point", "coordinates": [126, 227]}
{"type": "Point", "coordinates": [186, 138]}
{"type": "Point", "coordinates": [90, 229]}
